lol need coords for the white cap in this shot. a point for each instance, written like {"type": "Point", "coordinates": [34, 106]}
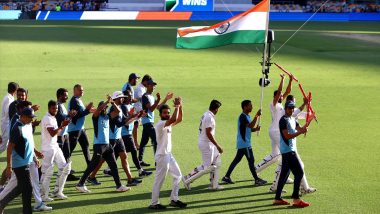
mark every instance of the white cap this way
{"type": "Point", "coordinates": [117, 94]}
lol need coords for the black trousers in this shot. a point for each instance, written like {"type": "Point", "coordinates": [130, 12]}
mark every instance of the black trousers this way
{"type": "Point", "coordinates": [148, 132]}
{"type": "Point", "coordinates": [247, 152]}
{"type": "Point", "coordinates": [80, 136]}
{"type": "Point", "coordinates": [130, 147]}
{"type": "Point", "coordinates": [290, 162]}
{"type": "Point", "coordinates": [104, 151]}
{"type": "Point", "coordinates": [64, 144]}
{"type": "Point", "coordinates": [24, 187]}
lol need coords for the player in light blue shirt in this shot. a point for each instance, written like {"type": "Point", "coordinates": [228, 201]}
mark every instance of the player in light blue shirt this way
{"type": "Point", "coordinates": [289, 130]}
{"type": "Point", "coordinates": [244, 146]}
{"type": "Point", "coordinates": [149, 104]}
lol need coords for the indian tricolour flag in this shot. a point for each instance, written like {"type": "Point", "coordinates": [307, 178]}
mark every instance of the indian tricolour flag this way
{"type": "Point", "coordinates": [247, 27]}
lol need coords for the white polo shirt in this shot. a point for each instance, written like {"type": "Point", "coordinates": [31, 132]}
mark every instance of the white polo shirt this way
{"type": "Point", "coordinates": [277, 112]}
{"type": "Point", "coordinates": [164, 138]}
{"type": "Point", "coordinates": [139, 92]}
{"type": "Point", "coordinates": [48, 142]}
{"type": "Point", "coordinates": [207, 121]}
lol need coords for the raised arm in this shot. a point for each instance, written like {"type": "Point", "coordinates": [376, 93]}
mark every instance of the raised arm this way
{"type": "Point", "coordinates": [169, 95]}
{"type": "Point", "coordinates": [276, 98]}
{"type": "Point", "coordinates": [102, 107]}
{"type": "Point", "coordinates": [180, 112]}
{"type": "Point", "coordinates": [289, 88]}
{"type": "Point", "coordinates": [173, 119]}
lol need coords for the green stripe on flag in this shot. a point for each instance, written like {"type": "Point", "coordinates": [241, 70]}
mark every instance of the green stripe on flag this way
{"type": "Point", "coordinates": [236, 37]}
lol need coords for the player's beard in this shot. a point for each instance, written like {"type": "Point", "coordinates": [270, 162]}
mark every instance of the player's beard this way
{"type": "Point", "coordinates": [165, 118]}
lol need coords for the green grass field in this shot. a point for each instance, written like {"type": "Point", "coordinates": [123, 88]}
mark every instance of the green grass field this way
{"type": "Point", "coordinates": [338, 62]}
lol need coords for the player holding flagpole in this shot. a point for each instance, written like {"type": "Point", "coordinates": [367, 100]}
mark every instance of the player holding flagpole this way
{"type": "Point", "coordinates": [164, 158]}
{"type": "Point", "coordinates": [209, 148]}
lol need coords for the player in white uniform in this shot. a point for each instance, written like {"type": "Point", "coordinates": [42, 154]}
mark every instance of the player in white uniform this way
{"type": "Point", "coordinates": [164, 158]}
{"type": "Point", "coordinates": [137, 95]}
{"type": "Point", "coordinates": [5, 129]}
{"type": "Point", "coordinates": [52, 153]}
{"type": "Point", "coordinates": [277, 111]}
{"type": "Point", "coordinates": [210, 149]}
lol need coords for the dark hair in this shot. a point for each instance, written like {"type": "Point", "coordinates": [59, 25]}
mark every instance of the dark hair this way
{"type": "Point", "coordinates": [290, 97]}
{"type": "Point", "coordinates": [100, 103]}
{"type": "Point", "coordinates": [52, 103]}
{"type": "Point", "coordinates": [245, 103]}
{"type": "Point", "coordinates": [22, 90]}
{"type": "Point", "coordinates": [274, 93]}
{"type": "Point", "coordinates": [214, 105]}
{"type": "Point", "coordinates": [77, 86]}
{"type": "Point", "coordinates": [61, 92]}
{"type": "Point", "coordinates": [162, 107]}
{"type": "Point", "coordinates": [146, 77]}
{"type": "Point", "coordinates": [12, 87]}
{"type": "Point", "coordinates": [23, 104]}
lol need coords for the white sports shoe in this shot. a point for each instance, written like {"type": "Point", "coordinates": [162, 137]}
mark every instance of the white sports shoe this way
{"type": "Point", "coordinates": [123, 188]}
{"type": "Point", "coordinates": [60, 196]}
{"type": "Point", "coordinates": [82, 189]}
{"type": "Point", "coordinates": [47, 199]}
{"type": "Point", "coordinates": [289, 181]}
{"type": "Point", "coordinates": [308, 191]}
{"type": "Point", "coordinates": [271, 190]}
{"type": "Point", "coordinates": [219, 187]}
{"type": "Point", "coordinates": [42, 207]}
{"type": "Point", "coordinates": [185, 184]}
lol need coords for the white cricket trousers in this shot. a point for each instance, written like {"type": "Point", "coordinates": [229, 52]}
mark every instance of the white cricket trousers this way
{"type": "Point", "coordinates": [12, 183]}
{"type": "Point", "coordinates": [164, 164]}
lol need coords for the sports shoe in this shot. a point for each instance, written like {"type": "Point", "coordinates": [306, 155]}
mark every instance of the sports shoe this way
{"type": "Point", "coordinates": [219, 187]}
{"type": "Point", "coordinates": [185, 184]}
{"type": "Point", "coordinates": [227, 180]}
{"type": "Point", "coordinates": [144, 173]}
{"type": "Point", "coordinates": [72, 177]}
{"type": "Point", "coordinates": [93, 181]}
{"type": "Point", "coordinates": [271, 190]}
{"type": "Point", "coordinates": [1, 189]}
{"type": "Point", "coordinates": [260, 182]}
{"type": "Point", "coordinates": [123, 188]}
{"type": "Point", "coordinates": [301, 204]}
{"type": "Point", "coordinates": [60, 196]}
{"type": "Point", "coordinates": [178, 203]}
{"type": "Point", "coordinates": [107, 172]}
{"type": "Point", "coordinates": [157, 207]}
{"type": "Point", "coordinates": [134, 182]}
{"type": "Point", "coordinates": [280, 202]}
{"type": "Point", "coordinates": [42, 207]}
{"type": "Point", "coordinates": [142, 163]}
{"type": "Point", "coordinates": [82, 188]}
{"type": "Point", "coordinates": [289, 181]}
{"type": "Point", "coordinates": [308, 191]}
{"type": "Point", "coordinates": [47, 199]}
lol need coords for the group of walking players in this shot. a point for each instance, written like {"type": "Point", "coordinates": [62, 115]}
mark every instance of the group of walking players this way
{"type": "Point", "coordinates": [116, 121]}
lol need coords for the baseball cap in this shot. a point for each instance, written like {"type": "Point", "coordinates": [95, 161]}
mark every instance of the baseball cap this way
{"type": "Point", "coordinates": [29, 112]}
{"type": "Point", "coordinates": [290, 104]}
{"type": "Point", "coordinates": [133, 76]}
{"type": "Point", "coordinates": [117, 94]}
{"type": "Point", "coordinates": [151, 82]}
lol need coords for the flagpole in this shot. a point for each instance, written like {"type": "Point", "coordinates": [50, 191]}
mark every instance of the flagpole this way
{"type": "Point", "coordinates": [265, 55]}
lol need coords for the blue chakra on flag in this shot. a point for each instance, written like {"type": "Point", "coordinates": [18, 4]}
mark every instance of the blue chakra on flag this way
{"type": "Point", "coordinates": [222, 28]}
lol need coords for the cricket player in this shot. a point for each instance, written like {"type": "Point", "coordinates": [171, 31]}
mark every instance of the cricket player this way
{"type": "Point", "coordinates": [102, 148]}
{"type": "Point", "coordinates": [52, 153]}
{"type": "Point", "coordinates": [210, 149]}
{"type": "Point", "coordinates": [7, 100]}
{"type": "Point", "coordinates": [289, 130]}
{"type": "Point", "coordinates": [277, 111]}
{"type": "Point", "coordinates": [164, 158]}
{"type": "Point", "coordinates": [243, 143]}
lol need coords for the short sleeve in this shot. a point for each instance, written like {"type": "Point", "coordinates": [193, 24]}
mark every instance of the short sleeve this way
{"type": "Point", "coordinates": [145, 101]}
{"type": "Point", "coordinates": [208, 122]}
{"type": "Point", "coordinates": [15, 135]}
{"type": "Point", "coordinates": [283, 124]}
